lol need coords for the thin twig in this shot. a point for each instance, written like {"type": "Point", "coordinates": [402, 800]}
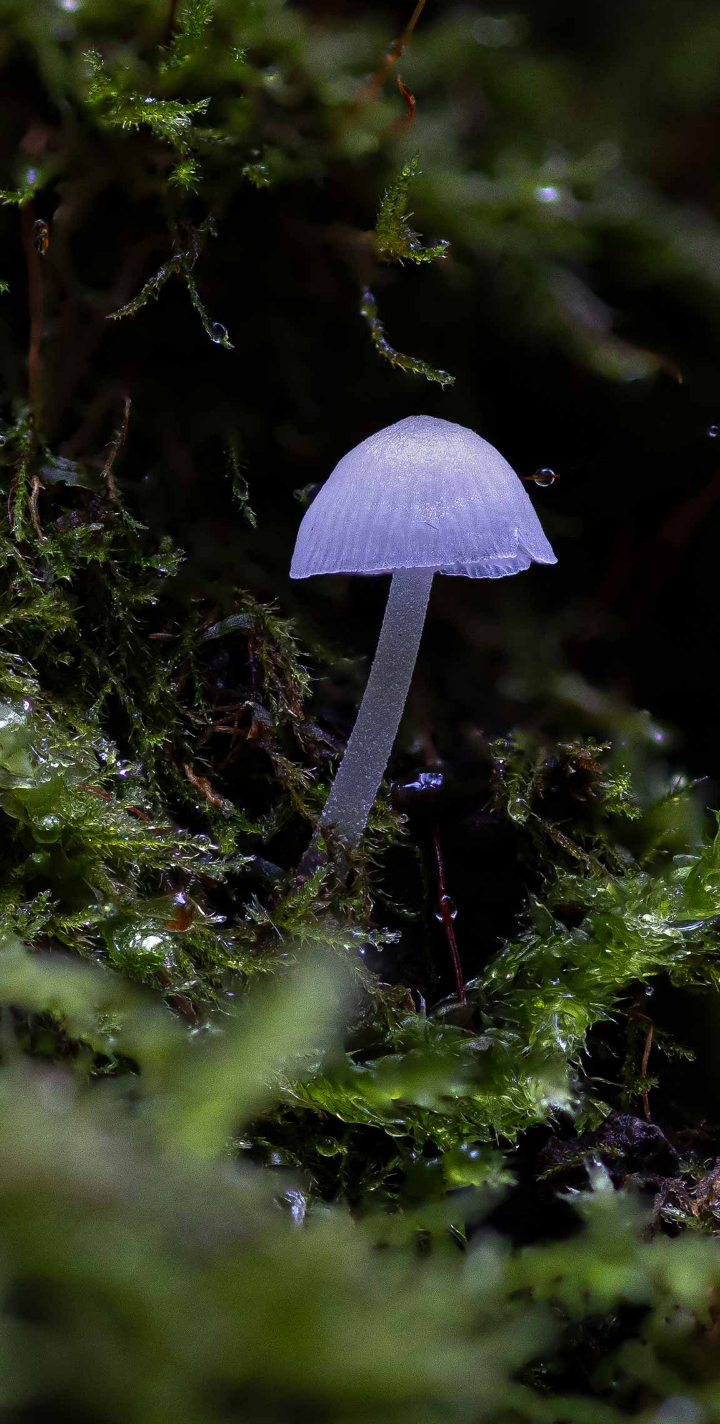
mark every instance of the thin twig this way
{"type": "Point", "coordinates": [445, 916]}
{"type": "Point", "coordinates": [35, 488]}
{"type": "Point", "coordinates": [172, 21]}
{"type": "Point", "coordinates": [114, 449]}
{"type": "Point", "coordinates": [205, 789]}
{"type": "Point", "coordinates": [11, 493]}
{"type": "Point", "coordinates": [643, 1069]}
{"type": "Point", "coordinates": [636, 1014]}
{"type": "Point", "coordinates": [409, 101]}
{"type": "Point", "coordinates": [36, 303]}
{"type": "Point", "coordinates": [375, 84]}
{"type": "Point", "coordinates": [445, 906]}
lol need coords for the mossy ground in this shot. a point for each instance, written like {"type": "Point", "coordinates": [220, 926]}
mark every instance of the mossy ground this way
{"type": "Point", "coordinates": [258, 1162]}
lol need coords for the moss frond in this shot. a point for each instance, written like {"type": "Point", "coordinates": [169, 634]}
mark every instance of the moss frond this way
{"type": "Point", "coordinates": [412, 364]}
{"type": "Point", "coordinates": [395, 240]}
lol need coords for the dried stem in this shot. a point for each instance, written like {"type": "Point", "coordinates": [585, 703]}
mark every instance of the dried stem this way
{"type": "Point", "coordinates": [635, 1014]}
{"type": "Point", "coordinates": [643, 1069]}
{"type": "Point", "coordinates": [114, 449]}
{"type": "Point", "coordinates": [445, 915]}
{"type": "Point", "coordinates": [172, 21]}
{"type": "Point", "coordinates": [36, 303]}
{"type": "Point", "coordinates": [35, 489]}
{"type": "Point", "coordinates": [381, 73]}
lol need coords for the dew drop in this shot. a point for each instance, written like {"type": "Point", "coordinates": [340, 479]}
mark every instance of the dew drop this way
{"type": "Point", "coordinates": [713, 431]}
{"type": "Point", "coordinates": [518, 810]}
{"type": "Point", "coordinates": [218, 333]}
{"type": "Point", "coordinates": [447, 911]}
{"type": "Point", "coordinates": [543, 478]}
{"type": "Point", "coordinates": [3, 440]}
{"type": "Point", "coordinates": [328, 1147]}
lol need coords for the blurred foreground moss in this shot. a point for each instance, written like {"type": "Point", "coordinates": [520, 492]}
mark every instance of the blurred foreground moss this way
{"type": "Point", "coordinates": [149, 1274]}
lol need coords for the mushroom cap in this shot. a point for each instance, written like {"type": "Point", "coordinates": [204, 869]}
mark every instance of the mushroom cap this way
{"type": "Point", "coordinates": [421, 494]}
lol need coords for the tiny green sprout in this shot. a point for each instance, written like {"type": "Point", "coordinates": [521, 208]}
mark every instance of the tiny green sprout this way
{"type": "Point", "coordinates": [186, 175]}
{"type": "Point", "coordinates": [395, 240]}
{"type": "Point", "coordinates": [413, 364]}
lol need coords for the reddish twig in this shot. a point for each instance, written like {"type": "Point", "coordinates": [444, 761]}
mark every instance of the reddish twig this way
{"type": "Point", "coordinates": [635, 1014]}
{"type": "Point", "coordinates": [445, 915]}
{"type": "Point", "coordinates": [114, 449]}
{"type": "Point", "coordinates": [643, 1068]}
{"type": "Point", "coordinates": [375, 84]}
{"type": "Point", "coordinates": [172, 21]}
{"type": "Point", "coordinates": [205, 789]}
{"type": "Point", "coordinates": [11, 493]}
{"type": "Point", "coordinates": [409, 101]}
{"type": "Point", "coordinates": [34, 496]}
{"type": "Point", "coordinates": [445, 911]}
{"type": "Point", "coordinates": [36, 302]}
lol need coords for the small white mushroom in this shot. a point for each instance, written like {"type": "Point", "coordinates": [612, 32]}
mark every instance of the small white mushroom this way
{"type": "Point", "coordinates": [421, 497]}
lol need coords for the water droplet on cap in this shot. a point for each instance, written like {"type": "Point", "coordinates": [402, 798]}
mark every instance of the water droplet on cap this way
{"type": "Point", "coordinates": [543, 478]}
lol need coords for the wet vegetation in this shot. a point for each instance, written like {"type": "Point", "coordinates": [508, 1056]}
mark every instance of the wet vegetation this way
{"type": "Point", "coordinates": [431, 1132]}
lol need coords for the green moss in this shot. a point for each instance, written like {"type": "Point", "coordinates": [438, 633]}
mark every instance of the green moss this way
{"type": "Point", "coordinates": [166, 1132]}
{"type": "Point", "coordinates": [394, 238]}
{"type": "Point", "coordinates": [413, 364]}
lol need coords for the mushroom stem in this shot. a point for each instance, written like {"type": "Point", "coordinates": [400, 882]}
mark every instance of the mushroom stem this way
{"type": "Point", "coordinates": [368, 751]}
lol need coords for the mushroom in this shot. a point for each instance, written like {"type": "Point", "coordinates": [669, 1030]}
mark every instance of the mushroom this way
{"type": "Point", "coordinates": [422, 497]}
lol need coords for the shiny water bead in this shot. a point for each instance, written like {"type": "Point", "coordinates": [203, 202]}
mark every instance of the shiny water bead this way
{"type": "Point", "coordinates": [447, 911]}
{"type": "Point", "coordinates": [543, 478]}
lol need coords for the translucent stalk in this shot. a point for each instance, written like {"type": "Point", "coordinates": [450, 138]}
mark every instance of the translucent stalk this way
{"type": "Point", "coordinates": [368, 751]}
